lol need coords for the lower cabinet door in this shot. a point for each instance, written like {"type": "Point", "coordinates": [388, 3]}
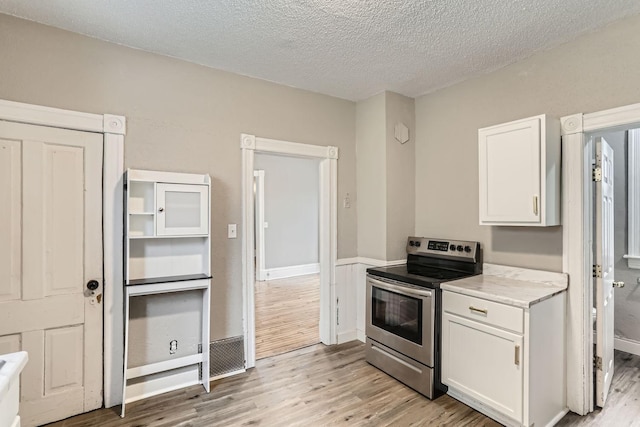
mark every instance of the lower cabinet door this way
{"type": "Point", "coordinates": [484, 363]}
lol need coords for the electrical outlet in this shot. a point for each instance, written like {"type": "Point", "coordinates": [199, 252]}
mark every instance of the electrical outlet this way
{"type": "Point", "coordinates": [346, 202]}
{"type": "Point", "coordinates": [232, 231]}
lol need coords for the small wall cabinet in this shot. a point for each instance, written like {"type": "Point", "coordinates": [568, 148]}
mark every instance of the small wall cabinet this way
{"type": "Point", "coordinates": [167, 250]}
{"type": "Point", "coordinates": [519, 172]}
{"type": "Point", "coordinates": [505, 361]}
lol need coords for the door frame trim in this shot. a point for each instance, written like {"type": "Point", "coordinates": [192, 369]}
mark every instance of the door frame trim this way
{"type": "Point", "coordinates": [258, 176]}
{"type": "Point", "coordinates": [113, 128]}
{"type": "Point", "coordinates": [577, 240]}
{"type": "Point", "coordinates": [328, 232]}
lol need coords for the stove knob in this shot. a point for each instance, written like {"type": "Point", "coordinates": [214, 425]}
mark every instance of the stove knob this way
{"type": "Point", "coordinates": [459, 248]}
{"type": "Point", "coordinates": [452, 247]}
{"type": "Point", "coordinates": [467, 248]}
{"type": "Point", "coordinates": [417, 244]}
{"type": "Point", "coordinates": [411, 243]}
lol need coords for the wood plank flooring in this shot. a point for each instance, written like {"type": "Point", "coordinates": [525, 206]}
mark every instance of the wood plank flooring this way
{"type": "Point", "coordinates": [313, 386]}
{"type": "Point", "coordinates": [623, 404]}
{"type": "Point", "coordinates": [287, 314]}
{"type": "Point", "coordinates": [319, 385]}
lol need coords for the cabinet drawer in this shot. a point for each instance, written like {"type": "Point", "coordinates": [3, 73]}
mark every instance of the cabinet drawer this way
{"type": "Point", "coordinates": [492, 313]}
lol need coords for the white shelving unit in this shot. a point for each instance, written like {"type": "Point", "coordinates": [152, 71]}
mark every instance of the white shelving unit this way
{"type": "Point", "coordinates": [167, 250]}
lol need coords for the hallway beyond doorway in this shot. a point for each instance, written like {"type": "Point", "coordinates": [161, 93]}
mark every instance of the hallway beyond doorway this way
{"type": "Point", "coordinates": [287, 314]}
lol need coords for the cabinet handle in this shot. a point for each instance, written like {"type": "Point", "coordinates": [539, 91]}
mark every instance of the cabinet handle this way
{"type": "Point", "coordinates": [479, 310]}
{"type": "Point", "coordinates": [516, 355]}
{"type": "Point", "coordinates": [160, 209]}
{"type": "Point", "coordinates": [535, 205]}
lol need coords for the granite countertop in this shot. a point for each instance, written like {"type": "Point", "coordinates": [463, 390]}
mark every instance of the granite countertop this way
{"type": "Point", "coordinates": [510, 285]}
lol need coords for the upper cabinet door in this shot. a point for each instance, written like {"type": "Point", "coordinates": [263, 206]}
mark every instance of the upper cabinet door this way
{"type": "Point", "coordinates": [519, 173]}
{"type": "Point", "coordinates": [182, 209]}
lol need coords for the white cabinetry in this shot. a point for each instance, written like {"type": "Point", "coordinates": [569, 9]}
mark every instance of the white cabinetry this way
{"type": "Point", "coordinates": [505, 361]}
{"type": "Point", "coordinates": [167, 252]}
{"type": "Point", "coordinates": [519, 172]}
{"type": "Point", "coordinates": [182, 209]}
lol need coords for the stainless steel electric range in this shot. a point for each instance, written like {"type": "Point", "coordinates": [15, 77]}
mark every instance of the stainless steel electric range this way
{"type": "Point", "coordinates": [403, 310]}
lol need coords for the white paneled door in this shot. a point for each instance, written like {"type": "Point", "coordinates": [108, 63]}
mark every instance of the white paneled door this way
{"type": "Point", "coordinates": [50, 249]}
{"type": "Point", "coordinates": [604, 270]}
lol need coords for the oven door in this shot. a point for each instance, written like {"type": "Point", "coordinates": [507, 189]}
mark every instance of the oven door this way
{"type": "Point", "coordinates": [401, 316]}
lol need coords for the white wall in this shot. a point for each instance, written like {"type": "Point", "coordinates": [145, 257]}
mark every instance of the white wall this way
{"type": "Point", "coordinates": [371, 177]}
{"type": "Point", "coordinates": [594, 72]}
{"type": "Point", "coordinates": [291, 199]}
{"type": "Point", "coordinates": [181, 117]}
{"type": "Point", "coordinates": [401, 176]}
{"type": "Point", "coordinates": [385, 176]}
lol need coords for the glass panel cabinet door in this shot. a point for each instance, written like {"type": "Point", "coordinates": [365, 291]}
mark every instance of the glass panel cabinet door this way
{"type": "Point", "coordinates": [182, 209]}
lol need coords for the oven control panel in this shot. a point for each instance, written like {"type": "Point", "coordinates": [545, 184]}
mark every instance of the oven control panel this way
{"type": "Point", "coordinates": [454, 248]}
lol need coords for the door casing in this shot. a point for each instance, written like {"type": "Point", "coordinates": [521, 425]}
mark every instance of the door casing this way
{"type": "Point", "coordinates": [113, 128]}
{"type": "Point", "coordinates": [577, 242]}
{"type": "Point", "coordinates": [328, 248]}
{"type": "Point", "coordinates": [261, 273]}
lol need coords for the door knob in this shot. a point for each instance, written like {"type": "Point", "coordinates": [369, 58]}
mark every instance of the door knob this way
{"type": "Point", "coordinates": [618, 284]}
{"type": "Point", "coordinates": [92, 285]}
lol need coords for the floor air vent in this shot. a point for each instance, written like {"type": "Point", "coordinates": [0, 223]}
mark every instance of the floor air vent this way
{"type": "Point", "coordinates": [226, 355]}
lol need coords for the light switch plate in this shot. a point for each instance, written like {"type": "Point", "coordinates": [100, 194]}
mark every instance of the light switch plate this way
{"type": "Point", "coordinates": [232, 231]}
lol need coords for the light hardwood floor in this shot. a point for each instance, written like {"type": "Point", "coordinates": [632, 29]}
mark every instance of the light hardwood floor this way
{"type": "Point", "coordinates": [623, 404]}
{"type": "Point", "coordinates": [287, 314]}
{"type": "Point", "coordinates": [319, 385]}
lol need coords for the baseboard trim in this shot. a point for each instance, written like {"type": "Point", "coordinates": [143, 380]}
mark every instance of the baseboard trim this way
{"type": "Point", "coordinates": [627, 345]}
{"type": "Point", "coordinates": [361, 336]}
{"type": "Point", "coordinates": [292, 271]}
{"type": "Point", "coordinates": [228, 374]}
{"type": "Point", "coordinates": [162, 382]}
{"type": "Point", "coordinates": [555, 420]}
{"type": "Point", "coordinates": [347, 336]}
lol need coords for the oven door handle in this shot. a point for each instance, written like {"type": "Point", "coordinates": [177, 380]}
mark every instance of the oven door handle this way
{"type": "Point", "coordinates": [401, 289]}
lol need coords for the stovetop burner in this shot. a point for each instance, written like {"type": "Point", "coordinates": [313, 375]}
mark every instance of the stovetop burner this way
{"type": "Point", "coordinates": [428, 277]}
{"type": "Point", "coordinates": [431, 262]}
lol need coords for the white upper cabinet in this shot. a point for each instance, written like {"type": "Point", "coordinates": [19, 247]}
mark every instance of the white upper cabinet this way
{"type": "Point", "coordinates": [167, 225]}
{"type": "Point", "coordinates": [183, 209]}
{"type": "Point", "coordinates": [519, 166]}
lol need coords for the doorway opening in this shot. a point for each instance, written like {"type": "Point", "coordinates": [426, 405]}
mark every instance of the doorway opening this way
{"type": "Point", "coordinates": [327, 157]}
{"type": "Point", "coordinates": [613, 302]}
{"type": "Point", "coordinates": [578, 240]}
{"type": "Point", "coordinates": [287, 268]}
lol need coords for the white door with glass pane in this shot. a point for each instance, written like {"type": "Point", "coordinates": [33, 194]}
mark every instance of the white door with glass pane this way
{"type": "Point", "coordinates": [182, 209]}
{"type": "Point", "coordinates": [50, 249]}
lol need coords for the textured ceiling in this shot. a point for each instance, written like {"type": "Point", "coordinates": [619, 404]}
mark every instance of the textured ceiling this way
{"type": "Point", "coordinates": [347, 48]}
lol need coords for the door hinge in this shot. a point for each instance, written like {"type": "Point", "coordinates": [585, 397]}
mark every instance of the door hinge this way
{"type": "Point", "coordinates": [337, 311]}
{"type": "Point", "coordinates": [597, 271]}
{"type": "Point", "coordinates": [199, 348]}
{"type": "Point", "coordinates": [597, 174]}
{"type": "Point", "coordinates": [597, 363]}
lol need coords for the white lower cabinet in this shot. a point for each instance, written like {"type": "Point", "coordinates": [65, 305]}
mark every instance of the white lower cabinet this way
{"type": "Point", "coordinates": [505, 361]}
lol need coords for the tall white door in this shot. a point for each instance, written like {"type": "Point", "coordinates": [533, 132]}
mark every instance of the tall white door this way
{"type": "Point", "coordinates": [50, 248]}
{"type": "Point", "coordinates": [604, 277]}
